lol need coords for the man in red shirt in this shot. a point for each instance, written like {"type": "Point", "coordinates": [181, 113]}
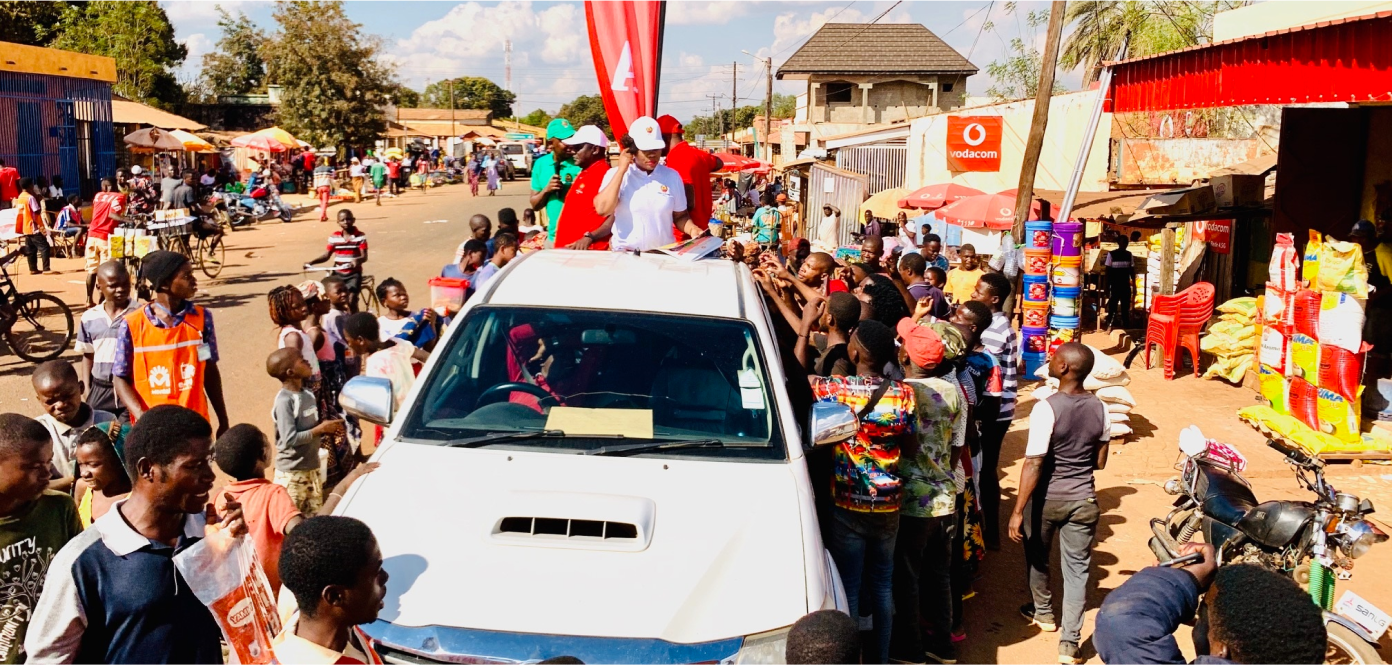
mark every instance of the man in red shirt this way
{"type": "Point", "coordinates": [589, 148]}
{"type": "Point", "coordinates": [107, 207]}
{"type": "Point", "coordinates": [9, 184]}
{"type": "Point", "coordinates": [393, 174]}
{"type": "Point", "coordinates": [695, 167]}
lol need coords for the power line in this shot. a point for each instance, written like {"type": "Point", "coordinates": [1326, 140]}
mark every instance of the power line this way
{"type": "Point", "coordinates": [964, 21]}
{"type": "Point", "coordinates": [984, 21]}
{"type": "Point", "coordinates": [867, 25]}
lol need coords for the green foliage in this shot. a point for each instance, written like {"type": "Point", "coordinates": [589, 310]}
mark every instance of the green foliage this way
{"type": "Point", "coordinates": [236, 67]}
{"type": "Point", "coordinates": [586, 110]}
{"type": "Point", "coordinates": [28, 22]}
{"type": "Point", "coordinates": [1156, 26]}
{"type": "Point", "coordinates": [537, 118]}
{"type": "Point", "coordinates": [404, 97]}
{"type": "Point", "coordinates": [470, 92]}
{"type": "Point", "coordinates": [138, 35]}
{"type": "Point", "coordinates": [333, 85]}
{"type": "Point", "coordinates": [1017, 77]}
{"type": "Point", "coordinates": [784, 106]}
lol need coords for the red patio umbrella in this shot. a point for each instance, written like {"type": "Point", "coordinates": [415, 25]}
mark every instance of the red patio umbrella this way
{"type": "Point", "coordinates": [933, 197]}
{"type": "Point", "coordinates": [992, 211]}
{"type": "Point", "coordinates": [733, 162]}
{"type": "Point", "coordinates": [260, 142]}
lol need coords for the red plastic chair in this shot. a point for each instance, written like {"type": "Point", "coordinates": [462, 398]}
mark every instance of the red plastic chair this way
{"type": "Point", "coordinates": [1176, 322]}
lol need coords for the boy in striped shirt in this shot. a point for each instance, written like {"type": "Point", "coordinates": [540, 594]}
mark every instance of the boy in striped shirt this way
{"type": "Point", "coordinates": [348, 249]}
{"type": "Point", "coordinates": [1000, 340]}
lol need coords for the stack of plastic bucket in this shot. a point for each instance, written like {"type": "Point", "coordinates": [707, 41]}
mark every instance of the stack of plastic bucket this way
{"type": "Point", "coordinates": [1035, 301]}
{"type": "Point", "coordinates": [1066, 277]}
{"type": "Point", "coordinates": [1062, 329]}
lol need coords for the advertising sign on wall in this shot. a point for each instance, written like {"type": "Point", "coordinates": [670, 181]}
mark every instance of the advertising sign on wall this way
{"type": "Point", "coordinates": [974, 143]}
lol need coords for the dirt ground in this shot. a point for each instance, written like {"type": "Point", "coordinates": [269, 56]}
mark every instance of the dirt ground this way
{"type": "Point", "coordinates": [412, 236]}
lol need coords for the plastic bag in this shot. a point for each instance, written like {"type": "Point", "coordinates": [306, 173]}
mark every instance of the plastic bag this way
{"type": "Point", "coordinates": [1278, 308]}
{"type": "Point", "coordinates": [1341, 370]}
{"type": "Point", "coordinates": [1274, 349]}
{"type": "Point", "coordinates": [1118, 418]}
{"type": "Point", "coordinates": [1284, 263]}
{"type": "Point", "coordinates": [1229, 368]}
{"type": "Point", "coordinates": [1338, 416]}
{"type": "Point", "coordinates": [1341, 321]}
{"type": "Point", "coordinates": [1302, 400]}
{"type": "Point", "coordinates": [1245, 308]}
{"type": "Point", "coordinates": [1114, 407]}
{"type": "Point", "coordinates": [1272, 387]}
{"type": "Point", "coordinates": [1304, 358]}
{"type": "Point", "coordinates": [1342, 269]}
{"type": "Point", "coordinates": [1120, 430]}
{"type": "Point", "coordinates": [1309, 271]}
{"type": "Point", "coordinates": [1305, 312]}
{"type": "Point", "coordinates": [1116, 395]}
{"type": "Point", "coordinates": [224, 574]}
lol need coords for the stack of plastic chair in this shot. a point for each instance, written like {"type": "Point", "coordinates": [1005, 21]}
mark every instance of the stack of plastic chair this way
{"type": "Point", "coordinates": [1176, 321]}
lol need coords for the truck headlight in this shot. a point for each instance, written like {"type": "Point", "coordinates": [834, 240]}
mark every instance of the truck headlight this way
{"type": "Point", "coordinates": [770, 647]}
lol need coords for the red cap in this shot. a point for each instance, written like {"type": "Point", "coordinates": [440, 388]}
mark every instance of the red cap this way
{"type": "Point", "coordinates": [922, 344]}
{"type": "Point", "coordinates": [669, 125]}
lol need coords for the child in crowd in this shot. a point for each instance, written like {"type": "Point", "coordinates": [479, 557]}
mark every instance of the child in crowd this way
{"type": "Point", "coordinates": [381, 359]}
{"type": "Point", "coordinates": [34, 524]}
{"type": "Point", "coordinates": [936, 279]}
{"type": "Point", "coordinates": [267, 507]}
{"type": "Point", "coordinates": [96, 335]}
{"type": "Point", "coordinates": [298, 428]}
{"type": "Point", "coordinates": [417, 328]}
{"type": "Point", "coordinates": [348, 248]}
{"type": "Point", "coordinates": [334, 371]}
{"type": "Point", "coordinates": [1001, 340]}
{"type": "Point", "coordinates": [289, 310]}
{"type": "Point", "coordinates": [504, 251]}
{"type": "Point", "coordinates": [962, 279]}
{"type": "Point", "coordinates": [65, 416]}
{"type": "Point", "coordinates": [480, 228]}
{"type": "Point", "coordinates": [824, 636]}
{"type": "Point", "coordinates": [101, 469]}
{"type": "Point", "coordinates": [333, 567]}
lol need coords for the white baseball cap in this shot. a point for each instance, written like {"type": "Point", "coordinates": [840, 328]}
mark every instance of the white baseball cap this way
{"type": "Point", "coordinates": [135, 170]}
{"type": "Point", "coordinates": [646, 134]}
{"type": "Point", "coordinates": [589, 134]}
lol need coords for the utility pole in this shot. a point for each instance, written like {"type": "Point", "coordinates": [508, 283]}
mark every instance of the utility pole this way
{"type": "Point", "coordinates": [768, 110]}
{"type": "Point", "coordinates": [715, 113]}
{"type": "Point", "coordinates": [1035, 143]}
{"type": "Point", "coordinates": [734, 100]}
{"type": "Point", "coordinates": [507, 65]}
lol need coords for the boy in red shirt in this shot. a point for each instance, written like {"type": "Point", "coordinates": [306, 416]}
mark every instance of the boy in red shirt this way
{"type": "Point", "coordinates": [107, 207]}
{"type": "Point", "coordinates": [578, 217]}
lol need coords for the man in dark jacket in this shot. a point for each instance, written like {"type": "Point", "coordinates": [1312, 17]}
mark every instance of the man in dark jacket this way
{"type": "Point", "coordinates": [1254, 615]}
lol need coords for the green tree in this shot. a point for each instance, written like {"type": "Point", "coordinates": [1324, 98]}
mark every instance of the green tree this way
{"type": "Point", "coordinates": [784, 106]}
{"type": "Point", "coordinates": [30, 23]}
{"type": "Point", "coordinates": [236, 67]}
{"type": "Point", "coordinates": [404, 97]}
{"type": "Point", "coordinates": [1017, 76]}
{"type": "Point", "coordinates": [1155, 26]}
{"type": "Point", "coordinates": [138, 35]}
{"type": "Point", "coordinates": [470, 92]}
{"type": "Point", "coordinates": [333, 85]}
{"type": "Point", "coordinates": [586, 110]}
{"type": "Point", "coordinates": [537, 118]}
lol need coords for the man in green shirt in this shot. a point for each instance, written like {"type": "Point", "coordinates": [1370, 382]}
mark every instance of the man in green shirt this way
{"type": "Point", "coordinates": [378, 173]}
{"type": "Point", "coordinates": [553, 174]}
{"type": "Point", "coordinates": [34, 524]}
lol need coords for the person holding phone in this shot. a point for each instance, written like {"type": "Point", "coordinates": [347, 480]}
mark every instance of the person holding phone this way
{"type": "Point", "coordinates": [644, 200]}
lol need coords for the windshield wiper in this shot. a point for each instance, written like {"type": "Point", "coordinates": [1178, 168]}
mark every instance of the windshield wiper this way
{"type": "Point", "coordinates": [499, 437]}
{"type": "Point", "coordinates": [638, 448]}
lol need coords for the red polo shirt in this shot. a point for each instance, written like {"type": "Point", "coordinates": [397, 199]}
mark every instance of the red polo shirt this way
{"type": "Point", "coordinates": [9, 183]}
{"type": "Point", "coordinates": [695, 167]}
{"type": "Point", "coordinates": [578, 216]}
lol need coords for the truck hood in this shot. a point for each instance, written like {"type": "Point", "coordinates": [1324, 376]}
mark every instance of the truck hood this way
{"type": "Point", "coordinates": [555, 543]}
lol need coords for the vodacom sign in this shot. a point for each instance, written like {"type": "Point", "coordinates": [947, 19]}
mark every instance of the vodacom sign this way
{"type": "Point", "coordinates": [973, 143]}
{"type": "Point", "coordinates": [626, 42]}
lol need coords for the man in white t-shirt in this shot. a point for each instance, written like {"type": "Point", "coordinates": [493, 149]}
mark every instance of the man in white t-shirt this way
{"type": "Point", "coordinates": [644, 199]}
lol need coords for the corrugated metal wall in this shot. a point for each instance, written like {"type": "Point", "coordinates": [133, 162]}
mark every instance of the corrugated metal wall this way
{"type": "Point", "coordinates": [847, 193]}
{"type": "Point", "coordinates": [884, 165]}
{"type": "Point", "coordinates": [55, 125]}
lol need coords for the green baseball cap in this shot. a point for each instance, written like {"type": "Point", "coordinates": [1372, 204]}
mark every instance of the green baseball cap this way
{"type": "Point", "coordinates": [560, 128]}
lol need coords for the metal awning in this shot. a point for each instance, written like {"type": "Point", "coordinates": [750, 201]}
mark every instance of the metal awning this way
{"type": "Point", "coordinates": [1344, 60]}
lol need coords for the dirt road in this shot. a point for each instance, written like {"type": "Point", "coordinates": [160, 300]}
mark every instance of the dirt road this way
{"type": "Point", "coordinates": [411, 237]}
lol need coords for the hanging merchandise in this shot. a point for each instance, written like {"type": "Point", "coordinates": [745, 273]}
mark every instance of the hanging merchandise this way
{"type": "Point", "coordinates": [1341, 268]}
{"type": "Point", "coordinates": [1284, 269]}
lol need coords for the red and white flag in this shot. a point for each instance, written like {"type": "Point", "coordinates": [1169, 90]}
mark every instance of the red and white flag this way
{"type": "Point", "coordinates": [626, 40]}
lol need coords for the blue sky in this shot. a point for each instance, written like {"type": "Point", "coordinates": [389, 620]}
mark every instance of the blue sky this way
{"type": "Point", "coordinates": [429, 41]}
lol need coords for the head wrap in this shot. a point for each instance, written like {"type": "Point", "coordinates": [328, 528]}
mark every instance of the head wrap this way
{"type": "Point", "coordinates": [158, 267]}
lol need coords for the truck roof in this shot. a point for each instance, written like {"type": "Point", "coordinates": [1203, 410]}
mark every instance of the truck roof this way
{"type": "Point", "coordinates": [622, 281]}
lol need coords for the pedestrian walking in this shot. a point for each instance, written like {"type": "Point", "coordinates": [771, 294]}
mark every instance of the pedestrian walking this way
{"type": "Point", "coordinates": [490, 168]}
{"type": "Point", "coordinates": [31, 224]}
{"type": "Point", "coordinates": [348, 248]}
{"type": "Point", "coordinates": [473, 170]}
{"type": "Point", "coordinates": [323, 186]}
{"type": "Point", "coordinates": [1068, 441]}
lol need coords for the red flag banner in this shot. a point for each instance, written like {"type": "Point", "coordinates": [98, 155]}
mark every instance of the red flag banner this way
{"type": "Point", "coordinates": [626, 40]}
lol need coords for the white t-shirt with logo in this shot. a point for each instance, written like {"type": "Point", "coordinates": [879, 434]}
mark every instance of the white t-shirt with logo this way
{"type": "Point", "coordinates": [647, 202]}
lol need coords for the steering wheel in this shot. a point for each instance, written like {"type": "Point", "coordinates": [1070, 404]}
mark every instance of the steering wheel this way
{"type": "Point", "coordinates": [491, 395]}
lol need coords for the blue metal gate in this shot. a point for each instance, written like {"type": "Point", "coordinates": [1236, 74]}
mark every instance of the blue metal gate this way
{"type": "Point", "coordinates": [56, 125]}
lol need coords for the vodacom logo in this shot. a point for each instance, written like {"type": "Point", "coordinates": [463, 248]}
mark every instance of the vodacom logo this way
{"type": "Point", "coordinates": [974, 134]}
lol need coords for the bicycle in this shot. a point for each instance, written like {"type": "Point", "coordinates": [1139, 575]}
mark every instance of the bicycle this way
{"type": "Point", "coordinates": [207, 252]}
{"type": "Point", "coordinates": [367, 290]}
{"type": "Point", "coordinates": [37, 326]}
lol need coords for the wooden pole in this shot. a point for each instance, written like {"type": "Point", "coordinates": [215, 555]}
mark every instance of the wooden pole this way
{"type": "Point", "coordinates": [1035, 143]}
{"type": "Point", "coordinates": [1167, 259]}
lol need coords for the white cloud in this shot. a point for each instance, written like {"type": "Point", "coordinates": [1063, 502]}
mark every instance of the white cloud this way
{"type": "Point", "coordinates": [696, 12]}
{"type": "Point", "coordinates": [200, 15]}
{"type": "Point", "coordinates": [197, 45]}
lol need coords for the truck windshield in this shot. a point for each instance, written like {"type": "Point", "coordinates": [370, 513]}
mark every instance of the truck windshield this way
{"type": "Point", "coordinates": [599, 376]}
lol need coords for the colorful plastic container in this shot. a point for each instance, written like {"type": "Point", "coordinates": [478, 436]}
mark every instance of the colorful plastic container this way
{"type": "Point", "coordinates": [447, 294]}
{"type": "Point", "coordinates": [1067, 271]}
{"type": "Point", "coordinates": [1035, 314]}
{"type": "Point", "coordinates": [1036, 288]}
{"type": "Point", "coordinates": [1033, 361]}
{"type": "Point", "coordinates": [1038, 234]}
{"type": "Point", "coordinates": [1034, 339]}
{"type": "Point", "coordinates": [1066, 300]}
{"type": "Point", "coordinates": [1067, 239]}
{"type": "Point", "coordinates": [1037, 261]}
{"type": "Point", "coordinates": [1062, 329]}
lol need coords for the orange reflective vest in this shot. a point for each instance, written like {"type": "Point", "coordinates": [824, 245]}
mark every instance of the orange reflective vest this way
{"type": "Point", "coordinates": [25, 221]}
{"type": "Point", "coordinates": [165, 365]}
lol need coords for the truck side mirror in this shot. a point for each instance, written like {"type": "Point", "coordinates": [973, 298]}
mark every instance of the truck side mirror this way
{"type": "Point", "coordinates": [832, 422]}
{"type": "Point", "coordinates": [368, 398]}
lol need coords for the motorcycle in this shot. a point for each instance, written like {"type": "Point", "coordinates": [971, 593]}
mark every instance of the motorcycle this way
{"type": "Point", "coordinates": [259, 204]}
{"type": "Point", "coordinates": [1314, 543]}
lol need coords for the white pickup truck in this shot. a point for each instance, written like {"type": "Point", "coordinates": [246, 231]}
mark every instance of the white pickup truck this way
{"type": "Point", "coordinates": [518, 154]}
{"type": "Point", "coordinates": [599, 460]}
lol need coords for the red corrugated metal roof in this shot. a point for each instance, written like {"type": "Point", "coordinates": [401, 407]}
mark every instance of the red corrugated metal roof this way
{"type": "Point", "coordinates": [1282, 31]}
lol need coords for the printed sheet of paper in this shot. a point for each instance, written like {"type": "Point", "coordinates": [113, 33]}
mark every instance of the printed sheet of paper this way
{"type": "Point", "coordinates": [632, 423]}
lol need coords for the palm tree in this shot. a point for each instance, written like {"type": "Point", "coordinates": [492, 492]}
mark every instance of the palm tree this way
{"type": "Point", "coordinates": [1099, 26]}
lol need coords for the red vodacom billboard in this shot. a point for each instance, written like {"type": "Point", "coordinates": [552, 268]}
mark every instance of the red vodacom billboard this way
{"type": "Point", "coordinates": [974, 143]}
{"type": "Point", "coordinates": [626, 41]}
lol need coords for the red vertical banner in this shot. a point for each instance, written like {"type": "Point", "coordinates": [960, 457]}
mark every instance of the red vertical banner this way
{"type": "Point", "coordinates": [626, 40]}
